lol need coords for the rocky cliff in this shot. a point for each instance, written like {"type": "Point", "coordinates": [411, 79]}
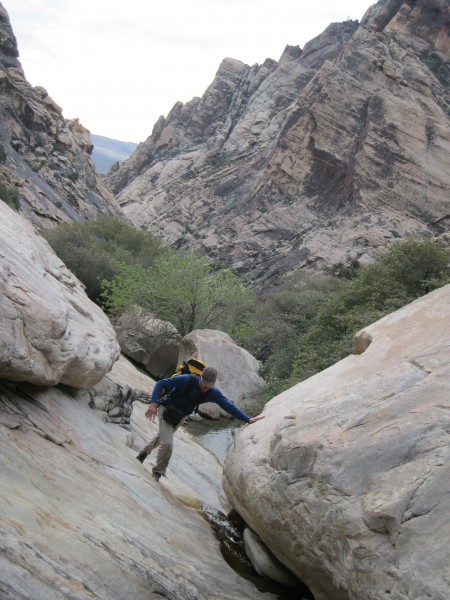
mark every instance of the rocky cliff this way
{"type": "Point", "coordinates": [331, 152]}
{"type": "Point", "coordinates": [347, 479]}
{"type": "Point", "coordinates": [45, 159]}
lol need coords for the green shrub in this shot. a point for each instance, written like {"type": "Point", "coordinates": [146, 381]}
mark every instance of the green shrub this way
{"type": "Point", "coordinates": [438, 66]}
{"type": "Point", "coordinates": [3, 155]}
{"type": "Point", "coordinates": [403, 272]}
{"type": "Point", "coordinates": [281, 316]}
{"type": "Point", "coordinates": [182, 288]}
{"type": "Point", "coordinates": [309, 324]}
{"type": "Point", "coordinates": [94, 250]}
{"type": "Point", "coordinates": [10, 196]}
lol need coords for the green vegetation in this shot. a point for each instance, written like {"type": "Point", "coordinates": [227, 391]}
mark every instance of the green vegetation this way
{"type": "Point", "coordinates": [219, 161]}
{"type": "Point", "coordinates": [438, 66]}
{"type": "Point", "coordinates": [3, 155]}
{"type": "Point", "coordinates": [182, 288]}
{"type": "Point", "coordinates": [123, 267]}
{"type": "Point", "coordinates": [96, 250]}
{"type": "Point", "coordinates": [276, 324]}
{"type": "Point", "coordinates": [297, 330]}
{"type": "Point", "coordinates": [309, 324]}
{"type": "Point", "coordinates": [10, 196]}
{"type": "Point", "coordinates": [403, 272]}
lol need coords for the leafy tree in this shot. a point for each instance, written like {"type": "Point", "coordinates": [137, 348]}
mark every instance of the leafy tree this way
{"type": "Point", "coordinates": [182, 288]}
{"type": "Point", "coordinates": [94, 250]}
{"type": "Point", "coordinates": [419, 264]}
{"type": "Point", "coordinates": [342, 270]}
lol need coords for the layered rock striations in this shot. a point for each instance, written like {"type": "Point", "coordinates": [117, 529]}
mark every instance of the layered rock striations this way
{"type": "Point", "coordinates": [45, 159]}
{"type": "Point", "coordinates": [347, 479]}
{"type": "Point", "coordinates": [324, 156]}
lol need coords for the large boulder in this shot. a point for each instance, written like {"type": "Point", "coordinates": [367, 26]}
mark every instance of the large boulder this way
{"type": "Point", "coordinates": [237, 369]}
{"type": "Point", "coordinates": [347, 479]}
{"type": "Point", "coordinates": [149, 342]}
{"type": "Point", "coordinates": [50, 332]}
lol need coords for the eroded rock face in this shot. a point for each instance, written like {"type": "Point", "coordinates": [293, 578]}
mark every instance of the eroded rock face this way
{"type": "Point", "coordinates": [325, 156]}
{"type": "Point", "coordinates": [44, 157]}
{"type": "Point", "coordinates": [237, 369]}
{"type": "Point", "coordinates": [347, 479]}
{"type": "Point", "coordinates": [50, 332]}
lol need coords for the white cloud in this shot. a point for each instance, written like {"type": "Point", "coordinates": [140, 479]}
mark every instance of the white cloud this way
{"type": "Point", "coordinates": [119, 66]}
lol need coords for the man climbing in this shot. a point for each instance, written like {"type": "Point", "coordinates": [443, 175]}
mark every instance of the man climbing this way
{"type": "Point", "coordinates": [173, 399]}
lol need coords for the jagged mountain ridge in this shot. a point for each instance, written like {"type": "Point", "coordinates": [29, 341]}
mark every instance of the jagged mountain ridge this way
{"type": "Point", "coordinates": [44, 156]}
{"type": "Point", "coordinates": [323, 156]}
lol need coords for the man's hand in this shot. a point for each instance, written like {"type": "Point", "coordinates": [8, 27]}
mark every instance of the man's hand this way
{"type": "Point", "coordinates": [258, 418]}
{"type": "Point", "coordinates": [150, 413]}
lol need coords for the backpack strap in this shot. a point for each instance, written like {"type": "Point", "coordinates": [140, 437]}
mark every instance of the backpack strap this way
{"type": "Point", "coordinates": [204, 396]}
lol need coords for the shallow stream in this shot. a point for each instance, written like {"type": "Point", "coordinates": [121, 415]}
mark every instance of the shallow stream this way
{"type": "Point", "coordinates": [217, 436]}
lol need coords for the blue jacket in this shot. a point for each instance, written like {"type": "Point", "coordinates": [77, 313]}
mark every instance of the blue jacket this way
{"type": "Point", "coordinates": [174, 387]}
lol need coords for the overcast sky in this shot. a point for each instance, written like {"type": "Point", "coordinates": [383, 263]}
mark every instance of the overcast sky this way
{"type": "Point", "coordinates": [118, 65]}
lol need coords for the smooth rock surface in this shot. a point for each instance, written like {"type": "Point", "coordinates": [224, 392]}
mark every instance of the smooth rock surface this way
{"type": "Point", "coordinates": [264, 562]}
{"type": "Point", "coordinates": [50, 332]}
{"type": "Point", "coordinates": [347, 479]}
{"type": "Point", "coordinates": [150, 342]}
{"type": "Point", "coordinates": [82, 518]}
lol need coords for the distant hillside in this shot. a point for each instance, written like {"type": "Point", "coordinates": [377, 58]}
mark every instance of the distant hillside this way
{"type": "Point", "coordinates": [107, 151]}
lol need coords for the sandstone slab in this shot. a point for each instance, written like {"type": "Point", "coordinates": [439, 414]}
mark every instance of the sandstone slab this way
{"type": "Point", "coordinates": [50, 332]}
{"type": "Point", "coordinates": [347, 479]}
{"type": "Point", "coordinates": [82, 518]}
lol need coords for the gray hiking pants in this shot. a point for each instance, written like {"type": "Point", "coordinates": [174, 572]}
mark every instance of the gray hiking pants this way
{"type": "Point", "coordinates": [163, 439]}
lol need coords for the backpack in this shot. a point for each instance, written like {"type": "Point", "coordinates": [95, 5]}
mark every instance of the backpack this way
{"type": "Point", "coordinates": [193, 366]}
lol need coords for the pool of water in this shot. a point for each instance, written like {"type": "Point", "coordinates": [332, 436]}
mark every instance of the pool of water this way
{"type": "Point", "coordinates": [217, 436]}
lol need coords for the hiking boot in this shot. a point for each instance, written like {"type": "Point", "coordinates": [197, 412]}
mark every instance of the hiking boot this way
{"type": "Point", "coordinates": [156, 475]}
{"type": "Point", "coordinates": [141, 456]}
